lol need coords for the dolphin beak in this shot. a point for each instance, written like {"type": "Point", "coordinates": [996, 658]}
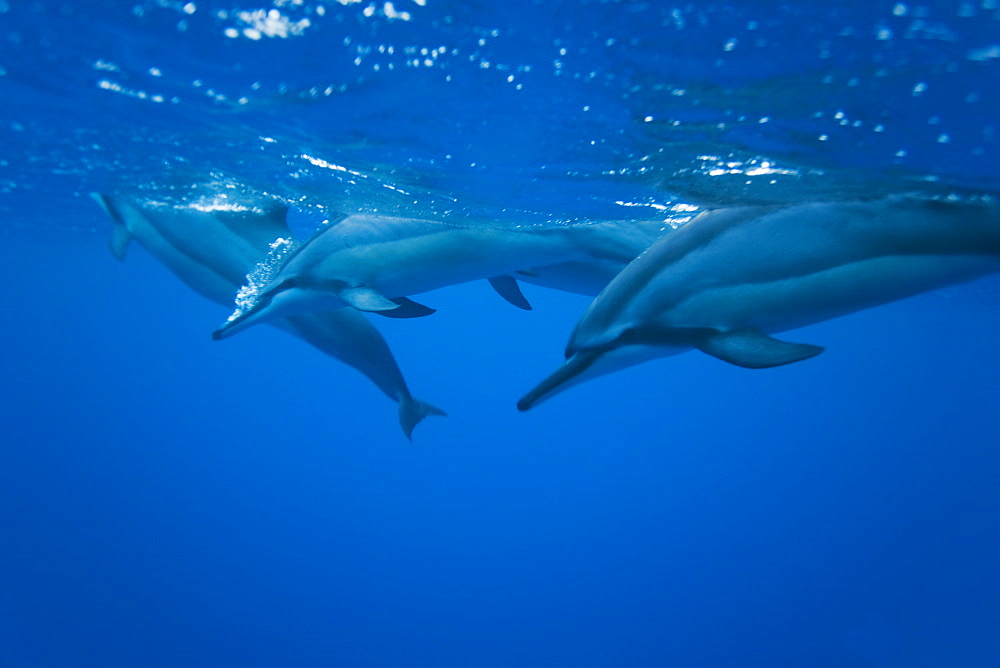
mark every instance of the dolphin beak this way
{"type": "Point", "coordinates": [230, 327]}
{"type": "Point", "coordinates": [240, 321]}
{"type": "Point", "coordinates": [560, 380]}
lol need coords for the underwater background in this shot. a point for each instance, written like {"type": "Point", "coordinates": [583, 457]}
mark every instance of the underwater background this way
{"type": "Point", "coordinates": [168, 500]}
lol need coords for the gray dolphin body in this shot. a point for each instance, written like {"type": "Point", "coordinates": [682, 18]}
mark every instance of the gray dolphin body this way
{"type": "Point", "coordinates": [211, 248]}
{"type": "Point", "coordinates": [727, 279]}
{"type": "Point", "coordinates": [374, 263]}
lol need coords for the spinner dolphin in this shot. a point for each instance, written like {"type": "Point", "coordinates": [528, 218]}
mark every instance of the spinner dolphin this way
{"type": "Point", "coordinates": [211, 244]}
{"type": "Point", "coordinates": [374, 263]}
{"type": "Point", "coordinates": [731, 277]}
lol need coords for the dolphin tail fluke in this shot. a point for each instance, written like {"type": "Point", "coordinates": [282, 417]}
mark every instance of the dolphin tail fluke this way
{"type": "Point", "coordinates": [412, 411]}
{"type": "Point", "coordinates": [120, 236]}
{"type": "Point", "coordinates": [753, 349]}
{"type": "Point", "coordinates": [119, 241]}
{"type": "Point", "coordinates": [507, 287]}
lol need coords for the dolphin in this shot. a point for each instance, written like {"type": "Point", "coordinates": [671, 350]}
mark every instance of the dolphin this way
{"type": "Point", "coordinates": [728, 279]}
{"type": "Point", "coordinates": [374, 263]}
{"type": "Point", "coordinates": [211, 244]}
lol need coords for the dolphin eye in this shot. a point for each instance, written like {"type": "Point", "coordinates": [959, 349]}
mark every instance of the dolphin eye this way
{"type": "Point", "coordinates": [268, 295]}
{"type": "Point", "coordinates": [628, 334]}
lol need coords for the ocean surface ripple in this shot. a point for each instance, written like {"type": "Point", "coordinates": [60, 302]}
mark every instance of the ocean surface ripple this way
{"type": "Point", "coordinates": [521, 112]}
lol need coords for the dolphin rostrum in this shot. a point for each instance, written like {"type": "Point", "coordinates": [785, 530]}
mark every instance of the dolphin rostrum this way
{"type": "Point", "coordinates": [726, 280]}
{"type": "Point", "coordinates": [212, 244]}
{"type": "Point", "coordinates": [374, 263]}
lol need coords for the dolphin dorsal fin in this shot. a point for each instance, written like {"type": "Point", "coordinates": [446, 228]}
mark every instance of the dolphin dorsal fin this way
{"type": "Point", "coordinates": [507, 287]}
{"type": "Point", "coordinates": [753, 349]}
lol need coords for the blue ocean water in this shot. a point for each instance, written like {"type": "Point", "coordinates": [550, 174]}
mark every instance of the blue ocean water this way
{"type": "Point", "coordinates": [166, 499]}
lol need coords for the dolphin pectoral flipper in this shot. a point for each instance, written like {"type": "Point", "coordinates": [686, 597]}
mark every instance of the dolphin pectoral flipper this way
{"type": "Point", "coordinates": [120, 236]}
{"type": "Point", "coordinates": [507, 287]}
{"type": "Point", "coordinates": [407, 308]}
{"type": "Point", "coordinates": [753, 349]}
{"type": "Point", "coordinates": [366, 299]}
{"type": "Point", "coordinates": [363, 298]}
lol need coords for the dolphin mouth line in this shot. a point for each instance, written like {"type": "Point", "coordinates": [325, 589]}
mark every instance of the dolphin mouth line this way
{"type": "Point", "coordinates": [239, 316]}
{"type": "Point", "coordinates": [556, 381]}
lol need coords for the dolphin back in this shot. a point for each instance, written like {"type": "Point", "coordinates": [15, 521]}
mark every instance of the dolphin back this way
{"type": "Point", "coordinates": [232, 241]}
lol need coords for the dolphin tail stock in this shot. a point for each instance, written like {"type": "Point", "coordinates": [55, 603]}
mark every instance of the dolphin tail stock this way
{"type": "Point", "coordinates": [120, 236]}
{"type": "Point", "coordinates": [412, 411]}
{"type": "Point", "coordinates": [507, 287]}
{"type": "Point", "coordinates": [753, 349]}
{"type": "Point", "coordinates": [561, 379]}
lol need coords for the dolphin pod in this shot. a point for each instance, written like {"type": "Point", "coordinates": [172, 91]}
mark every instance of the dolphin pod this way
{"type": "Point", "coordinates": [723, 283]}
{"type": "Point", "coordinates": [375, 263]}
{"type": "Point", "coordinates": [727, 280]}
{"type": "Point", "coordinates": [212, 246]}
